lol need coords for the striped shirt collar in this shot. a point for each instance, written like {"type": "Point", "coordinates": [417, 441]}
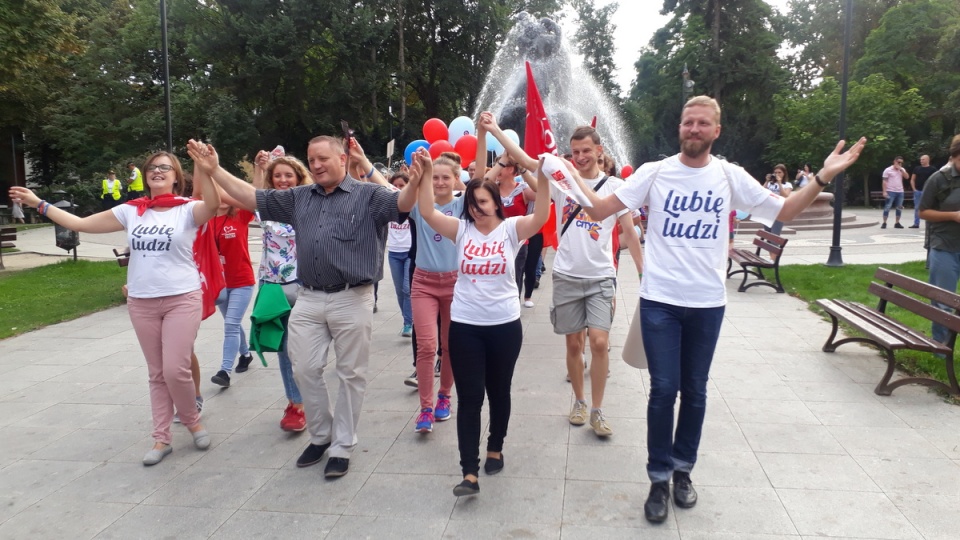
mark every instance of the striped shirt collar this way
{"type": "Point", "coordinates": [347, 184]}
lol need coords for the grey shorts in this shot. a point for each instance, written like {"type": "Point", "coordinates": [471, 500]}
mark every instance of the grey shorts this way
{"type": "Point", "coordinates": [580, 303]}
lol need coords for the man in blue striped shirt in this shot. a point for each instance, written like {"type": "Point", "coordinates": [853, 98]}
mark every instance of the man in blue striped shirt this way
{"type": "Point", "coordinates": [341, 226]}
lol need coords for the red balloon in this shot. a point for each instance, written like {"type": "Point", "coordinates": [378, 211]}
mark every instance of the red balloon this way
{"type": "Point", "coordinates": [440, 147]}
{"type": "Point", "coordinates": [626, 171]}
{"type": "Point", "coordinates": [467, 148]}
{"type": "Point", "coordinates": [434, 130]}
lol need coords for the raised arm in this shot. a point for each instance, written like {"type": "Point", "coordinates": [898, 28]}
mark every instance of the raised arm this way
{"type": "Point", "coordinates": [832, 166]}
{"type": "Point", "coordinates": [260, 164]}
{"type": "Point", "coordinates": [602, 207]}
{"type": "Point", "coordinates": [481, 158]}
{"type": "Point", "coordinates": [211, 195]}
{"type": "Point", "coordinates": [530, 224]}
{"type": "Point", "coordinates": [512, 148]}
{"type": "Point", "coordinates": [422, 168]}
{"type": "Point", "coordinates": [101, 222]}
{"type": "Point", "coordinates": [368, 172]}
{"type": "Point", "coordinates": [205, 156]}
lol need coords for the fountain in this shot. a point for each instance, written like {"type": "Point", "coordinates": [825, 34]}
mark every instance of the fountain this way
{"type": "Point", "coordinates": [570, 95]}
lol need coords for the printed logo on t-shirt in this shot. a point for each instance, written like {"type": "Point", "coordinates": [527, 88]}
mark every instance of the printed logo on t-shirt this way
{"type": "Point", "coordinates": [153, 238]}
{"type": "Point", "coordinates": [582, 220]}
{"type": "Point", "coordinates": [484, 259]}
{"type": "Point", "coordinates": [229, 231]}
{"type": "Point", "coordinates": [681, 210]}
{"type": "Point", "coordinates": [400, 226]}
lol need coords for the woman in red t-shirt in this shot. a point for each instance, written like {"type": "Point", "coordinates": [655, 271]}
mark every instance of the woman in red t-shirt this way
{"type": "Point", "coordinates": [230, 229]}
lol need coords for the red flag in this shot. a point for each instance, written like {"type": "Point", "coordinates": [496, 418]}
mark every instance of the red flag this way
{"type": "Point", "coordinates": [538, 139]}
{"type": "Point", "coordinates": [211, 270]}
{"type": "Point", "coordinates": [593, 123]}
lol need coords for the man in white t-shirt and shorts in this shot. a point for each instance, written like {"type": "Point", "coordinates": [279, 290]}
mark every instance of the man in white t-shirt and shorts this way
{"type": "Point", "coordinates": [683, 292]}
{"type": "Point", "coordinates": [584, 276]}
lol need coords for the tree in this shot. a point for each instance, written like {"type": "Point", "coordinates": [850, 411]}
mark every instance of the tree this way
{"type": "Point", "coordinates": [594, 37]}
{"type": "Point", "coordinates": [731, 52]}
{"type": "Point", "coordinates": [877, 110]}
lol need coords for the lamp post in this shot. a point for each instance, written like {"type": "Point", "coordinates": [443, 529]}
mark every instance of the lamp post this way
{"type": "Point", "coordinates": [687, 86]}
{"type": "Point", "coordinates": [165, 54]}
{"type": "Point", "coordinates": [835, 258]}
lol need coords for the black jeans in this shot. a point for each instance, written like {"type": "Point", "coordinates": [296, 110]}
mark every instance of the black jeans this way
{"type": "Point", "coordinates": [532, 264]}
{"type": "Point", "coordinates": [482, 358]}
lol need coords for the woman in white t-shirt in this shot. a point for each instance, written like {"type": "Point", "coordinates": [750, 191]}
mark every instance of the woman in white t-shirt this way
{"type": "Point", "coordinates": [164, 297]}
{"type": "Point", "coordinates": [485, 330]}
{"type": "Point", "coordinates": [778, 183]}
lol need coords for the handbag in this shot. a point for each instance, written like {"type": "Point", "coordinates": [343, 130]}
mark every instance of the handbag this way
{"type": "Point", "coordinates": [633, 353]}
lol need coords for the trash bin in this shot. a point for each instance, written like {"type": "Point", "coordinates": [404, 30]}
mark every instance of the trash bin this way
{"type": "Point", "coordinates": [65, 238]}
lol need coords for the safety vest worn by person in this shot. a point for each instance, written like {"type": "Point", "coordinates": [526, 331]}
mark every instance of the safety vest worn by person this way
{"type": "Point", "coordinates": [115, 192]}
{"type": "Point", "coordinates": [137, 184]}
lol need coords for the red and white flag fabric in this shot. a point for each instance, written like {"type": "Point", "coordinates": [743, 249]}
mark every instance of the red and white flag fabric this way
{"type": "Point", "coordinates": [211, 269]}
{"type": "Point", "coordinates": [555, 170]}
{"type": "Point", "coordinates": [538, 139]}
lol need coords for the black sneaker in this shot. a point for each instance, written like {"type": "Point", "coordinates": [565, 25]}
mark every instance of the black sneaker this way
{"type": "Point", "coordinates": [312, 455]}
{"type": "Point", "coordinates": [336, 467]}
{"type": "Point", "coordinates": [466, 488]}
{"type": "Point", "coordinates": [897, 226]}
{"type": "Point", "coordinates": [655, 509]}
{"type": "Point", "coordinates": [243, 363]}
{"type": "Point", "coordinates": [883, 225]}
{"type": "Point", "coordinates": [914, 227]}
{"type": "Point", "coordinates": [222, 378]}
{"type": "Point", "coordinates": [683, 493]}
{"type": "Point", "coordinates": [411, 380]}
{"type": "Point", "coordinates": [493, 465]}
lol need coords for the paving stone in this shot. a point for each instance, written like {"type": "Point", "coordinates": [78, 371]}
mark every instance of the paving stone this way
{"type": "Point", "coordinates": [736, 510]}
{"type": "Point", "coordinates": [248, 524]}
{"type": "Point", "coordinates": [512, 500]}
{"type": "Point", "coordinates": [495, 530]}
{"type": "Point", "coordinates": [844, 514]}
{"type": "Point", "coordinates": [181, 522]}
{"type": "Point", "coordinates": [56, 517]}
{"type": "Point", "coordinates": [808, 471]}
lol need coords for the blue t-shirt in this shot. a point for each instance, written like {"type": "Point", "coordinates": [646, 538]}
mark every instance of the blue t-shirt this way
{"type": "Point", "coordinates": [434, 252]}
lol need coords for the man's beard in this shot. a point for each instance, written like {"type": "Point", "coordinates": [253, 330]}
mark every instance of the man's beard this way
{"type": "Point", "coordinates": [695, 148]}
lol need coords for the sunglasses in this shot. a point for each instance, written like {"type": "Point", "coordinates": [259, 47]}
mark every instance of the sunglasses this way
{"type": "Point", "coordinates": [162, 168]}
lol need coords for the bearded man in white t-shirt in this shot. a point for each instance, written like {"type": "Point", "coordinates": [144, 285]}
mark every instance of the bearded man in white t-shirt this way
{"type": "Point", "coordinates": [584, 274]}
{"type": "Point", "coordinates": [683, 292]}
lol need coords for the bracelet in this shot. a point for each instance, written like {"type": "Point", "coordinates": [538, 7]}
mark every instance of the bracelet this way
{"type": "Point", "coordinates": [501, 165]}
{"type": "Point", "coordinates": [370, 174]}
{"type": "Point", "coordinates": [42, 208]}
{"type": "Point", "coordinates": [819, 181]}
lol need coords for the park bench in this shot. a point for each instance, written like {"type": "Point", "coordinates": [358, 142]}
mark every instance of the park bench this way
{"type": "Point", "coordinates": [123, 257]}
{"type": "Point", "coordinates": [8, 235]}
{"type": "Point", "coordinates": [889, 334]}
{"type": "Point", "coordinates": [876, 197]}
{"type": "Point", "coordinates": [747, 259]}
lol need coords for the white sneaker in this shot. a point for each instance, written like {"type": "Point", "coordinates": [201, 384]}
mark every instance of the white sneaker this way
{"type": "Point", "coordinates": [528, 303]}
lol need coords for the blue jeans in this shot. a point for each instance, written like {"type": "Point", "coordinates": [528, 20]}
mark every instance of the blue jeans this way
{"type": "Point", "coordinates": [233, 304]}
{"type": "Point", "coordinates": [679, 343]}
{"type": "Point", "coordinates": [944, 273]}
{"type": "Point", "coordinates": [400, 272]}
{"type": "Point", "coordinates": [917, 195]}
{"type": "Point", "coordinates": [895, 200]}
{"type": "Point", "coordinates": [286, 370]}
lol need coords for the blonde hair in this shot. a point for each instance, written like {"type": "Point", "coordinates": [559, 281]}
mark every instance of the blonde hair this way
{"type": "Point", "coordinates": [299, 169]}
{"type": "Point", "coordinates": [704, 101]}
{"type": "Point", "coordinates": [444, 159]}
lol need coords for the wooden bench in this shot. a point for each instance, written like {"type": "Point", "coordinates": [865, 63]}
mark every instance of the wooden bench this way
{"type": "Point", "coordinates": [746, 259]}
{"type": "Point", "coordinates": [8, 235]}
{"type": "Point", "coordinates": [876, 197]}
{"type": "Point", "coordinates": [890, 335]}
{"type": "Point", "coordinates": [123, 257]}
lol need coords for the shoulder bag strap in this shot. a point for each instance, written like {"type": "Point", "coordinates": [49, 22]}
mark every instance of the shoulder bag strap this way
{"type": "Point", "coordinates": [578, 208]}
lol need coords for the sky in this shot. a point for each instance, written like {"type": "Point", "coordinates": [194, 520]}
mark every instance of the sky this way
{"type": "Point", "coordinates": [636, 21]}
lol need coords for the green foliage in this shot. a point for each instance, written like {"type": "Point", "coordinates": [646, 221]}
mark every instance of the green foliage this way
{"type": "Point", "coordinates": [595, 39]}
{"type": "Point", "coordinates": [850, 282]}
{"type": "Point", "coordinates": [58, 292]}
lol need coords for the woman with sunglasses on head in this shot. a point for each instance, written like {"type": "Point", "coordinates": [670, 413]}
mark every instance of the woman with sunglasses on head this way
{"type": "Point", "coordinates": [164, 297]}
{"type": "Point", "coordinates": [485, 330]}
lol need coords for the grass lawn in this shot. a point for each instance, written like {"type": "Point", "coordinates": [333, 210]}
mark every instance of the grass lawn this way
{"type": "Point", "coordinates": [26, 226]}
{"type": "Point", "coordinates": [850, 282]}
{"type": "Point", "coordinates": [31, 299]}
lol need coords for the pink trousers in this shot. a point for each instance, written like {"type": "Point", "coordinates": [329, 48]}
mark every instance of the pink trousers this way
{"type": "Point", "coordinates": [166, 328]}
{"type": "Point", "coordinates": [431, 294]}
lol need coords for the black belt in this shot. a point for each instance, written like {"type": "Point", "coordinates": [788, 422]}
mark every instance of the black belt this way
{"type": "Point", "coordinates": [336, 288]}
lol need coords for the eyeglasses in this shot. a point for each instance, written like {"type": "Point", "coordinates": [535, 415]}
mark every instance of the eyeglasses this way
{"type": "Point", "coordinates": [162, 168]}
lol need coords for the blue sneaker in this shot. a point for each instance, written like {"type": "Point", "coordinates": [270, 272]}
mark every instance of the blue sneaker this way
{"type": "Point", "coordinates": [425, 421]}
{"type": "Point", "coordinates": [407, 330]}
{"type": "Point", "coordinates": [443, 407]}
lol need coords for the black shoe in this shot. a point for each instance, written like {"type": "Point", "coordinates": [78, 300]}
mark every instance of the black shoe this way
{"type": "Point", "coordinates": [374, 307]}
{"type": "Point", "coordinates": [883, 225]}
{"type": "Point", "coordinates": [536, 283]}
{"type": "Point", "coordinates": [312, 455]}
{"type": "Point", "coordinates": [493, 465]}
{"type": "Point", "coordinates": [222, 378]}
{"type": "Point", "coordinates": [897, 226]}
{"type": "Point", "coordinates": [243, 363]}
{"type": "Point", "coordinates": [655, 509]}
{"type": "Point", "coordinates": [683, 493]}
{"type": "Point", "coordinates": [466, 488]}
{"type": "Point", "coordinates": [914, 227]}
{"type": "Point", "coordinates": [336, 467]}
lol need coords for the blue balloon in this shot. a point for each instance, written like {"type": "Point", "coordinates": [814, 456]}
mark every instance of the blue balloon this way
{"type": "Point", "coordinates": [493, 145]}
{"type": "Point", "coordinates": [512, 135]}
{"type": "Point", "coordinates": [412, 148]}
{"type": "Point", "coordinates": [741, 215]}
{"type": "Point", "coordinates": [459, 127]}
{"type": "Point", "coordinates": [464, 176]}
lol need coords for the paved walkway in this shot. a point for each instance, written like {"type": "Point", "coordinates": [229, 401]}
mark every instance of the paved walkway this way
{"type": "Point", "coordinates": [795, 444]}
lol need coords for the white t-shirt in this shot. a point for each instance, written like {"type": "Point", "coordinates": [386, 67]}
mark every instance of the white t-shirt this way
{"type": "Point", "coordinates": [586, 249]}
{"type": "Point", "coordinates": [161, 250]}
{"type": "Point", "coordinates": [398, 239]}
{"type": "Point", "coordinates": [486, 290]}
{"type": "Point", "coordinates": [688, 226]}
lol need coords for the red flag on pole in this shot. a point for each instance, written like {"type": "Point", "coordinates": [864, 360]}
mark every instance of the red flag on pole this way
{"type": "Point", "coordinates": [538, 139]}
{"type": "Point", "coordinates": [593, 123]}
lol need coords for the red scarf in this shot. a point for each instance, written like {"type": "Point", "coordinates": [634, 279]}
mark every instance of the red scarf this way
{"type": "Point", "coordinates": [166, 200]}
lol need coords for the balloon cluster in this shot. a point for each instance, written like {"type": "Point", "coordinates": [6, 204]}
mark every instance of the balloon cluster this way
{"type": "Point", "coordinates": [460, 137]}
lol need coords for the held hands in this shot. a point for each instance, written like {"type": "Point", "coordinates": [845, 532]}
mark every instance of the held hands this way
{"type": "Point", "coordinates": [24, 196]}
{"type": "Point", "coordinates": [422, 166]}
{"type": "Point", "coordinates": [262, 160]}
{"type": "Point", "coordinates": [356, 151]}
{"type": "Point", "coordinates": [488, 122]}
{"type": "Point", "coordinates": [204, 156]}
{"type": "Point", "coordinates": [837, 162]}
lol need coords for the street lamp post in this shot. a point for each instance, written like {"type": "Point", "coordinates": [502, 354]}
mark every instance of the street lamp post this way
{"type": "Point", "coordinates": [166, 73]}
{"type": "Point", "coordinates": [835, 258]}
{"type": "Point", "coordinates": [687, 85]}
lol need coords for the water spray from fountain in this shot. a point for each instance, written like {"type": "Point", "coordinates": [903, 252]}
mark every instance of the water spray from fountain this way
{"type": "Point", "coordinates": [570, 94]}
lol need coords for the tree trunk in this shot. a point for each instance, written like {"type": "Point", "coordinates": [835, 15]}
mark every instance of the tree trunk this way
{"type": "Point", "coordinates": [402, 79]}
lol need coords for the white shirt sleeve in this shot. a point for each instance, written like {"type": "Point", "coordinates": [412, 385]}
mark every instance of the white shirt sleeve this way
{"type": "Point", "coordinates": [635, 191]}
{"type": "Point", "coordinates": [749, 196]}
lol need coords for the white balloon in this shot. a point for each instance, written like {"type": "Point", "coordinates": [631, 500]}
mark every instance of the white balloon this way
{"type": "Point", "coordinates": [459, 127]}
{"type": "Point", "coordinates": [493, 145]}
{"type": "Point", "coordinates": [512, 135]}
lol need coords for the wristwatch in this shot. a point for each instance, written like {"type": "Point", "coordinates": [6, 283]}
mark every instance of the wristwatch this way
{"type": "Point", "coordinates": [819, 181]}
